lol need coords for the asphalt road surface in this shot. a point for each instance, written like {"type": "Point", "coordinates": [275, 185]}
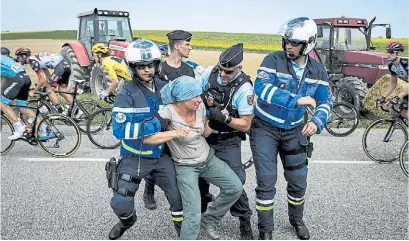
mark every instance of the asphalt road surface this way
{"type": "Point", "coordinates": [348, 196]}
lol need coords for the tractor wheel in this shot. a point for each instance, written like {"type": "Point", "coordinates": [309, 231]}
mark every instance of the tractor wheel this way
{"type": "Point", "coordinates": [99, 80]}
{"type": "Point", "coordinates": [77, 72]}
{"type": "Point", "coordinates": [351, 90]}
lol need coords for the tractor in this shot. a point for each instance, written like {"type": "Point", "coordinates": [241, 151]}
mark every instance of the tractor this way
{"type": "Point", "coordinates": [98, 26]}
{"type": "Point", "coordinates": [344, 47]}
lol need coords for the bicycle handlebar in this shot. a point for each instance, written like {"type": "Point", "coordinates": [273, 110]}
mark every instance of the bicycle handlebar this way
{"type": "Point", "coordinates": [110, 98]}
{"type": "Point", "coordinates": [396, 107]}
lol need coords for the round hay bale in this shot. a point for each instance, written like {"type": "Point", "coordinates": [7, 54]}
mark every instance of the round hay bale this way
{"type": "Point", "coordinates": [377, 90]}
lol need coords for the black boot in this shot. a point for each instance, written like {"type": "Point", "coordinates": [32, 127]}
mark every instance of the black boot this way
{"type": "Point", "coordinates": [148, 196]}
{"type": "Point", "coordinates": [246, 233]}
{"type": "Point", "coordinates": [295, 213]}
{"type": "Point", "coordinates": [265, 236]}
{"type": "Point", "coordinates": [178, 227]}
{"type": "Point", "coordinates": [301, 230]}
{"type": "Point", "coordinates": [122, 226]}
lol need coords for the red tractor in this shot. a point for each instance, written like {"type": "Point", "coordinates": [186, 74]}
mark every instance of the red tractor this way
{"type": "Point", "coordinates": [344, 46]}
{"type": "Point", "coordinates": [98, 26]}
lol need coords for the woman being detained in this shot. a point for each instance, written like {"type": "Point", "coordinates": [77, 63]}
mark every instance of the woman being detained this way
{"type": "Point", "coordinates": [194, 158]}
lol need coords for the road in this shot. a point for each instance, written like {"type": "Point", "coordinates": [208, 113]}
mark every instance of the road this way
{"type": "Point", "coordinates": [348, 196]}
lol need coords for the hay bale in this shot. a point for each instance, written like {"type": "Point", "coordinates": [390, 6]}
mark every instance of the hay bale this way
{"type": "Point", "coordinates": [377, 90]}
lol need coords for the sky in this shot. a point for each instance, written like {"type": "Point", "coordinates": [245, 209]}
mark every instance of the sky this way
{"type": "Point", "coordinates": [242, 16]}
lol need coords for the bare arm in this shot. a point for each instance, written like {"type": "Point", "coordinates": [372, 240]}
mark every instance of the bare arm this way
{"type": "Point", "coordinates": [165, 136]}
{"type": "Point", "coordinates": [114, 84]}
{"type": "Point", "coordinates": [42, 81]}
{"type": "Point", "coordinates": [404, 93]}
{"type": "Point", "coordinates": [242, 124]}
{"type": "Point", "coordinates": [160, 137]}
{"type": "Point", "coordinates": [207, 130]}
{"type": "Point", "coordinates": [392, 86]}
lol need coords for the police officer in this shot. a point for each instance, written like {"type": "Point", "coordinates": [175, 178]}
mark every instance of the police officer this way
{"type": "Point", "coordinates": [172, 68]}
{"type": "Point", "coordinates": [134, 117]}
{"type": "Point", "coordinates": [229, 99]}
{"type": "Point", "coordinates": [287, 82]}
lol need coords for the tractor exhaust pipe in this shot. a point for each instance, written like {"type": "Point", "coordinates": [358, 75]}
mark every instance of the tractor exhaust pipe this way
{"type": "Point", "coordinates": [369, 33]}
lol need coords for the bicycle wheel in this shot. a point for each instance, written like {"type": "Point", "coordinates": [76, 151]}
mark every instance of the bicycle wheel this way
{"type": "Point", "coordinates": [403, 159]}
{"type": "Point", "coordinates": [343, 120]}
{"type": "Point", "coordinates": [7, 130]}
{"type": "Point", "coordinates": [87, 107]}
{"type": "Point", "coordinates": [382, 140]}
{"type": "Point", "coordinates": [63, 137]}
{"type": "Point", "coordinates": [99, 129]}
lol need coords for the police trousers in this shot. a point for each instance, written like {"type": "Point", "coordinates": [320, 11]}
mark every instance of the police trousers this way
{"type": "Point", "coordinates": [229, 151]}
{"type": "Point", "coordinates": [266, 143]}
{"type": "Point", "coordinates": [162, 169]}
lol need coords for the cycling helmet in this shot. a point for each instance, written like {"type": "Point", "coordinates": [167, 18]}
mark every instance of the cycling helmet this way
{"type": "Point", "coordinates": [100, 48]}
{"type": "Point", "coordinates": [395, 46]}
{"type": "Point", "coordinates": [143, 50]}
{"type": "Point", "coordinates": [23, 51]}
{"type": "Point", "coordinates": [5, 51]}
{"type": "Point", "coordinates": [301, 30]}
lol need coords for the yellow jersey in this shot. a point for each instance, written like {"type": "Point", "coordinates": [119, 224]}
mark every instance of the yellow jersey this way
{"type": "Point", "coordinates": [115, 67]}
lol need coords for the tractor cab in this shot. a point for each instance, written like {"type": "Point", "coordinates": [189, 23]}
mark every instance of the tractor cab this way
{"type": "Point", "coordinates": [344, 47]}
{"type": "Point", "coordinates": [103, 26]}
{"type": "Point", "coordinates": [338, 35]}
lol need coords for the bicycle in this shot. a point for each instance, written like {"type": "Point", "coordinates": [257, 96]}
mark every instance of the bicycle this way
{"type": "Point", "coordinates": [85, 106]}
{"type": "Point", "coordinates": [48, 125]}
{"type": "Point", "coordinates": [403, 159]}
{"type": "Point", "coordinates": [101, 120]}
{"type": "Point", "coordinates": [396, 127]}
{"type": "Point", "coordinates": [344, 118]}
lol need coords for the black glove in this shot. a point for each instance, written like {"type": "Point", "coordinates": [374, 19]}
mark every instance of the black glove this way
{"type": "Point", "coordinates": [216, 115]}
{"type": "Point", "coordinates": [396, 100]}
{"type": "Point", "coordinates": [163, 122]}
{"type": "Point", "coordinates": [381, 100]}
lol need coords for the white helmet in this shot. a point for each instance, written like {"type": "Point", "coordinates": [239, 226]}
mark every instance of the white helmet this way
{"type": "Point", "coordinates": [143, 50]}
{"type": "Point", "coordinates": [302, 30]}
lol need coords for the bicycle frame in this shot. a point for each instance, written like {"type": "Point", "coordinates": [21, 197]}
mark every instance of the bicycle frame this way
{"type": "Point", "coordinates": [74, 101]}
{"type": "Point", "coordinates": [395, 120]}
{"type": "Point", "coordinates": [32, 140]}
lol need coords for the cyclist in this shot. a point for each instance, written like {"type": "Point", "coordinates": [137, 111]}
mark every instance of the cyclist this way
{"type": "Point", "coordinates": [5, 51]}
{"type": "Point", "coordinates": [16, 88]}
{"type": "Point", "coordinates": [398, 67]}
{"type": "Point", "coordinates": [42, 62]}
{"type": "Point", "coordinates": [114, 66]}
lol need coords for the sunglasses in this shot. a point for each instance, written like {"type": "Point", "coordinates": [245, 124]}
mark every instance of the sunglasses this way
{"type": "Point", "coordinates": [293, 43]}
{"type": "Point", "coordinates": [228, 72]}
{"type": "Point", "coordinates": [143, 66]}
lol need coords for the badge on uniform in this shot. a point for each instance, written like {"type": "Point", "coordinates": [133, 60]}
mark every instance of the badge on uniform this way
{"type": "Point", "coordinates": [250, 99]}
{"type": "Point", "coordinates": [120, 117]}
{"type": "Point", "coordinates": [282, 86]}
{"type": "Point", "coordinates": [262, 74]}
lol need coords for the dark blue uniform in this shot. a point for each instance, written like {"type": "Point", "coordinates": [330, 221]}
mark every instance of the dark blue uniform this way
{"type": "Point", "coordinates": [133, 118]}
{"type": "Point", "coordinates": [276, 129]}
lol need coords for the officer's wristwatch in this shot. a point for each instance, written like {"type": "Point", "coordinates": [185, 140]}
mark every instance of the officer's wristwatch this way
{"type": "Point", "coordinates": [228, 120]}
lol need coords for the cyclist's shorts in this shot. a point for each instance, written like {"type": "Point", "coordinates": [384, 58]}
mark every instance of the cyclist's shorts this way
{"type": "Point", "coordinates": [61, 74]}
{"type": "Point", "coordinates": [17, 87]}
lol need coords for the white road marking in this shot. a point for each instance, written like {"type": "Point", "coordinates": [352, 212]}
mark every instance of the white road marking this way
{"type": "Point", "coordinates": [340, 162]}
{"type": "Point", "coordinates": [70, 159]}
{"type": "Point", "coordinates": [87, 159]}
